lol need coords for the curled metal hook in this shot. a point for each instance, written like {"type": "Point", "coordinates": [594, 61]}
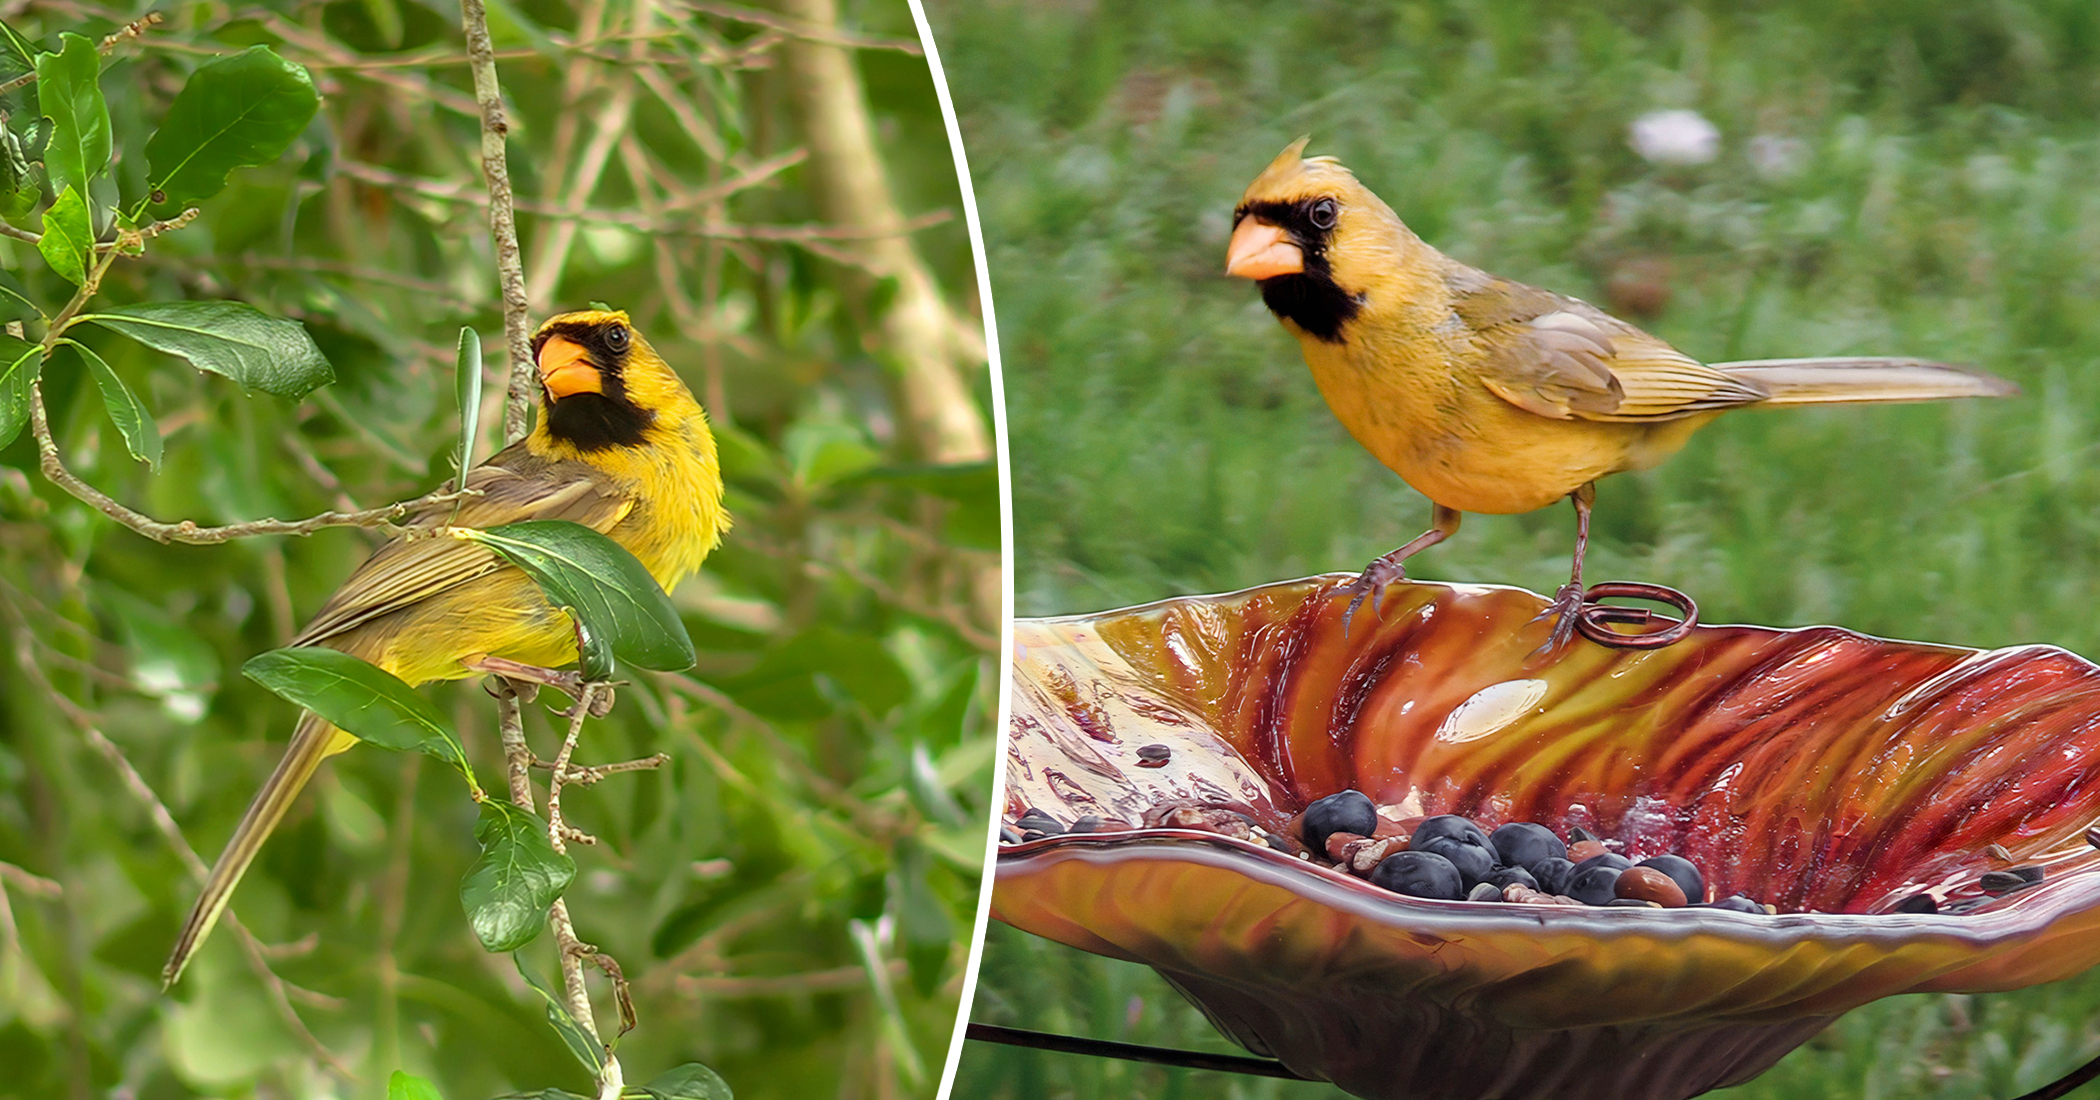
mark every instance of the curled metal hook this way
{"type": "Point", "coordinates": [1593, 620]}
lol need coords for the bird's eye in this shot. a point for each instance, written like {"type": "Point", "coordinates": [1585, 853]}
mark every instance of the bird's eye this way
{"type": "Point", "coordinates": [1324, 212]}
{"type": "Point", "coordinates": [616, 338]}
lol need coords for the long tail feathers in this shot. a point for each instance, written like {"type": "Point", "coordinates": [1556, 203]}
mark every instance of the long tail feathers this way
{"type": "Point", "coordinates": [313, 742]}
{"type": "Point", "coordinates": [1858, 380]}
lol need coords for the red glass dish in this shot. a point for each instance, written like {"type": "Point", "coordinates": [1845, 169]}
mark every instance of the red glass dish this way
{"type": "Point", "coordinates": [1819, 770]}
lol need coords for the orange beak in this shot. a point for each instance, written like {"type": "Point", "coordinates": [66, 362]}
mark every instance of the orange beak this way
{"type": "Point", "coordinates": [1261, 251]}
{"type": "Point", "coordinates": [565, 369]}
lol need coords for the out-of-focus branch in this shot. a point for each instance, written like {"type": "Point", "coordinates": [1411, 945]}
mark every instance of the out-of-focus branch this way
{"type": "Point", "coordinates": [452, 192]}
{"type": "Point", "coordinates": [852, 188]}
{"type": "Point", "coordinates": [503, 222]}
{"type": "Point", "coordinates": [281, 991]}
{"type": "Point", "coordinates": [807, 30]}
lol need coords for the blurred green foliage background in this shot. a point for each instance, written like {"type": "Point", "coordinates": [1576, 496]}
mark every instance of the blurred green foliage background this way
{"type": "Point", "coordinates": [1892, 178]}
{"type": "Point", "coordinates": [791, 894]}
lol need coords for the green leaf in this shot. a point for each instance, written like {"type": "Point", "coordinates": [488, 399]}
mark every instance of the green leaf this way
{"type": "Point", "coordinates": [407, 1086]}
{"type": "Point", "coordinates": [19, 362]}
{"type": "Point", "coordinates": [691, 1081]}
{"type": "Point", "coordinates": [134, 423]}
{"type": "Point", "coordinates": [364, 699]}
{"type": "Point", "coordinates": [235, 112]}
{"type": "Point", "coordinates": [508, 890]}
{"type": "Point", "coordinates": [785, 683]}
{"type": "Point", "coordinates": [466, 385]}
{"type": "Point", "coordinates": [579, 1041]}
{"type": "Point", "coordinates": [19, 190]}
{"type": "Point", "coordinates": [70, 86]}
{"type": "Point", "coordinates": [233, 339]}
{"type": "Point", "coordinates": [623, 611]}
{"type": "Point", "coordinates": [972, 486]}
{"type": "Point", "coordinates": [67, 241]}
{"type": "Point", "coordinates": [922, 920]}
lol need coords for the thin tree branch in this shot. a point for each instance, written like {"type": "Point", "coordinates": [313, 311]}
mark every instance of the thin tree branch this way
{"type": "Point", "coordinates": [806, 30]}
{"type": "Point", "coordinates": [794, 234]}
{"type": "Point", "coordinates": [574, 952]}
{"type": "Point", "coordinates": [503, 221]}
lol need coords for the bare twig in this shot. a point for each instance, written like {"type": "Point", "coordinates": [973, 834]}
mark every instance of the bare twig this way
{"type": "Point", "coordinates": [806, 30]}
{"type": "Point", "coordinates": [35, 885]}
{"type": "Point", "coordinates": [187, 531]}
{"type": "Point", "coordinates": [574, 951]}
{"type": "Point", "coordinates": [445, 191]}
{"type": "Point", "coordinates": [727, 987]}
{"type": "Point", "coordinates": [503, 222]}
{"type": "Point", "coordinates": [109, 44]}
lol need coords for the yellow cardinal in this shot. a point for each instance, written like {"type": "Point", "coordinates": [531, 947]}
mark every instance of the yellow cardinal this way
{"type": "Point", "coordinates": [621, 447]}
{"type": "Point", "coordinates": [1492, 396]}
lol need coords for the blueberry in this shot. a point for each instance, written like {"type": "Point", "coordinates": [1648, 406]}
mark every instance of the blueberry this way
{"type": "Point", "coordinates": [1343, 812]}
{"type": "Point", "coordinates": [1523, 843]}
{"type": "Point", "coordinates": [1451, 825]}
{"type": "Point", "coordinates": [1578, 834]}
{"type": "Point", "coordinates": [1736, 904]}
{"type": "Point", "coordinates": [1420, 875]}
{"type": "Point", "coordinates": [1091, 823]}
{"type": "Point", "coordinates": [1613, 860]}
{"type": "Point", "coordinates": [1553, 874]}
{"type": "Point", "coordinates": [1918, 903]}
{"type": "Point", "coordinates": [1036, 821]}
{"type": "Point", "coordinates": [1503, 876]}
{"type": "Point", "coordinates": [1472, 860]}
{"type": "Point", "coordinates": [1485, 891]}
{"type": "Point", "coordinates": [1596, 886]}
{"type": "Point", "coordinates": [1681, 872]}
{"type": "Point", "coordinates": [2005, 882]}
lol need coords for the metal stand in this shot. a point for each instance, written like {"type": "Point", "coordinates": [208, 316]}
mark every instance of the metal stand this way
{"type": "Point", "coordinates": [1594, 619]}
{"type": "Point", "coordinates": [1269, 1067]}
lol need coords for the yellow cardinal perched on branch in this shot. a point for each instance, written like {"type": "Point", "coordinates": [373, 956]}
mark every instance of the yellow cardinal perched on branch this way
{"type": "Point", "coordinates": [1492, 396]}
{"type": "Point", "coordinates": [621, 447]}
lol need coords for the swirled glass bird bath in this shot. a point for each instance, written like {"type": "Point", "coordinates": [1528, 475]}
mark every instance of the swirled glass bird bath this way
{"type": "Point", "coordinates": [1829, 774]}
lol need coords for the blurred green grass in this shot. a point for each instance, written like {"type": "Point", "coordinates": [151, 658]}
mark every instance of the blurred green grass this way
{"type": "Point", "coordinates": [1893, 179]}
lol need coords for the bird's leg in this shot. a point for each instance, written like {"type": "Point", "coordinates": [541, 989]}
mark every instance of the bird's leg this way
{"type": "Point", "coordinates": [1567, 603]}
{"type": "Point", "coordinates": [1443, 523]}
{"type": "Point", "coordinates": [567, 681]}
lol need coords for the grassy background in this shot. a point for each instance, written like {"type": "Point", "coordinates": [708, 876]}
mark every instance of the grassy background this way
{"type": "Point", "coordinates": [1930, 195]}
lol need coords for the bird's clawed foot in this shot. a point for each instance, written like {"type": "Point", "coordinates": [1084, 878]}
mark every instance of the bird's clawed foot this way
{"type": "Point", "coordinates": [1376, 576]}
{"type": "Point", "coordinates": [526, 680]}
{"type": "Point", "coordinates": [1565, 611]}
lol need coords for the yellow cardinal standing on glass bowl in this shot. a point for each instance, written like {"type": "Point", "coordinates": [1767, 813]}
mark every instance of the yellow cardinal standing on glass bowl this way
{"type": "Point", "coordinates": [1488, 395]}
{"type": "Point", "coordinates": [621, 447]}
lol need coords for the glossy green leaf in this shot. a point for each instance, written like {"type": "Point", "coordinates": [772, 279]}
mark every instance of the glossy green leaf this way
{"type": "Point", "coordinates": [126, 411]}
{"type": "Point", "coordinates": [691, 1081]}
{"type": "Point", "coordinates": [67, 243]}
{"type": "Point", "coordinates": [19, 361]}
{"type": "Point", "coordinates": [623, 611]}
{"type": "Point", "coordinates": [407, 1086]}
{"type": "Point", "coordinates": [69, 84]}
{"type": "Point", "coordinates": [579, 1041]}
{"type": "Point", "coordinates": [466, 385]}
{"type": "Point", "coordinates": [233, 339]}
{"type": "Point", "coordinates": [235, 112]}
{"type": "Point", "coordinates": [507, 891]}
{"type": "Point", "coordinates": [362, 698]}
